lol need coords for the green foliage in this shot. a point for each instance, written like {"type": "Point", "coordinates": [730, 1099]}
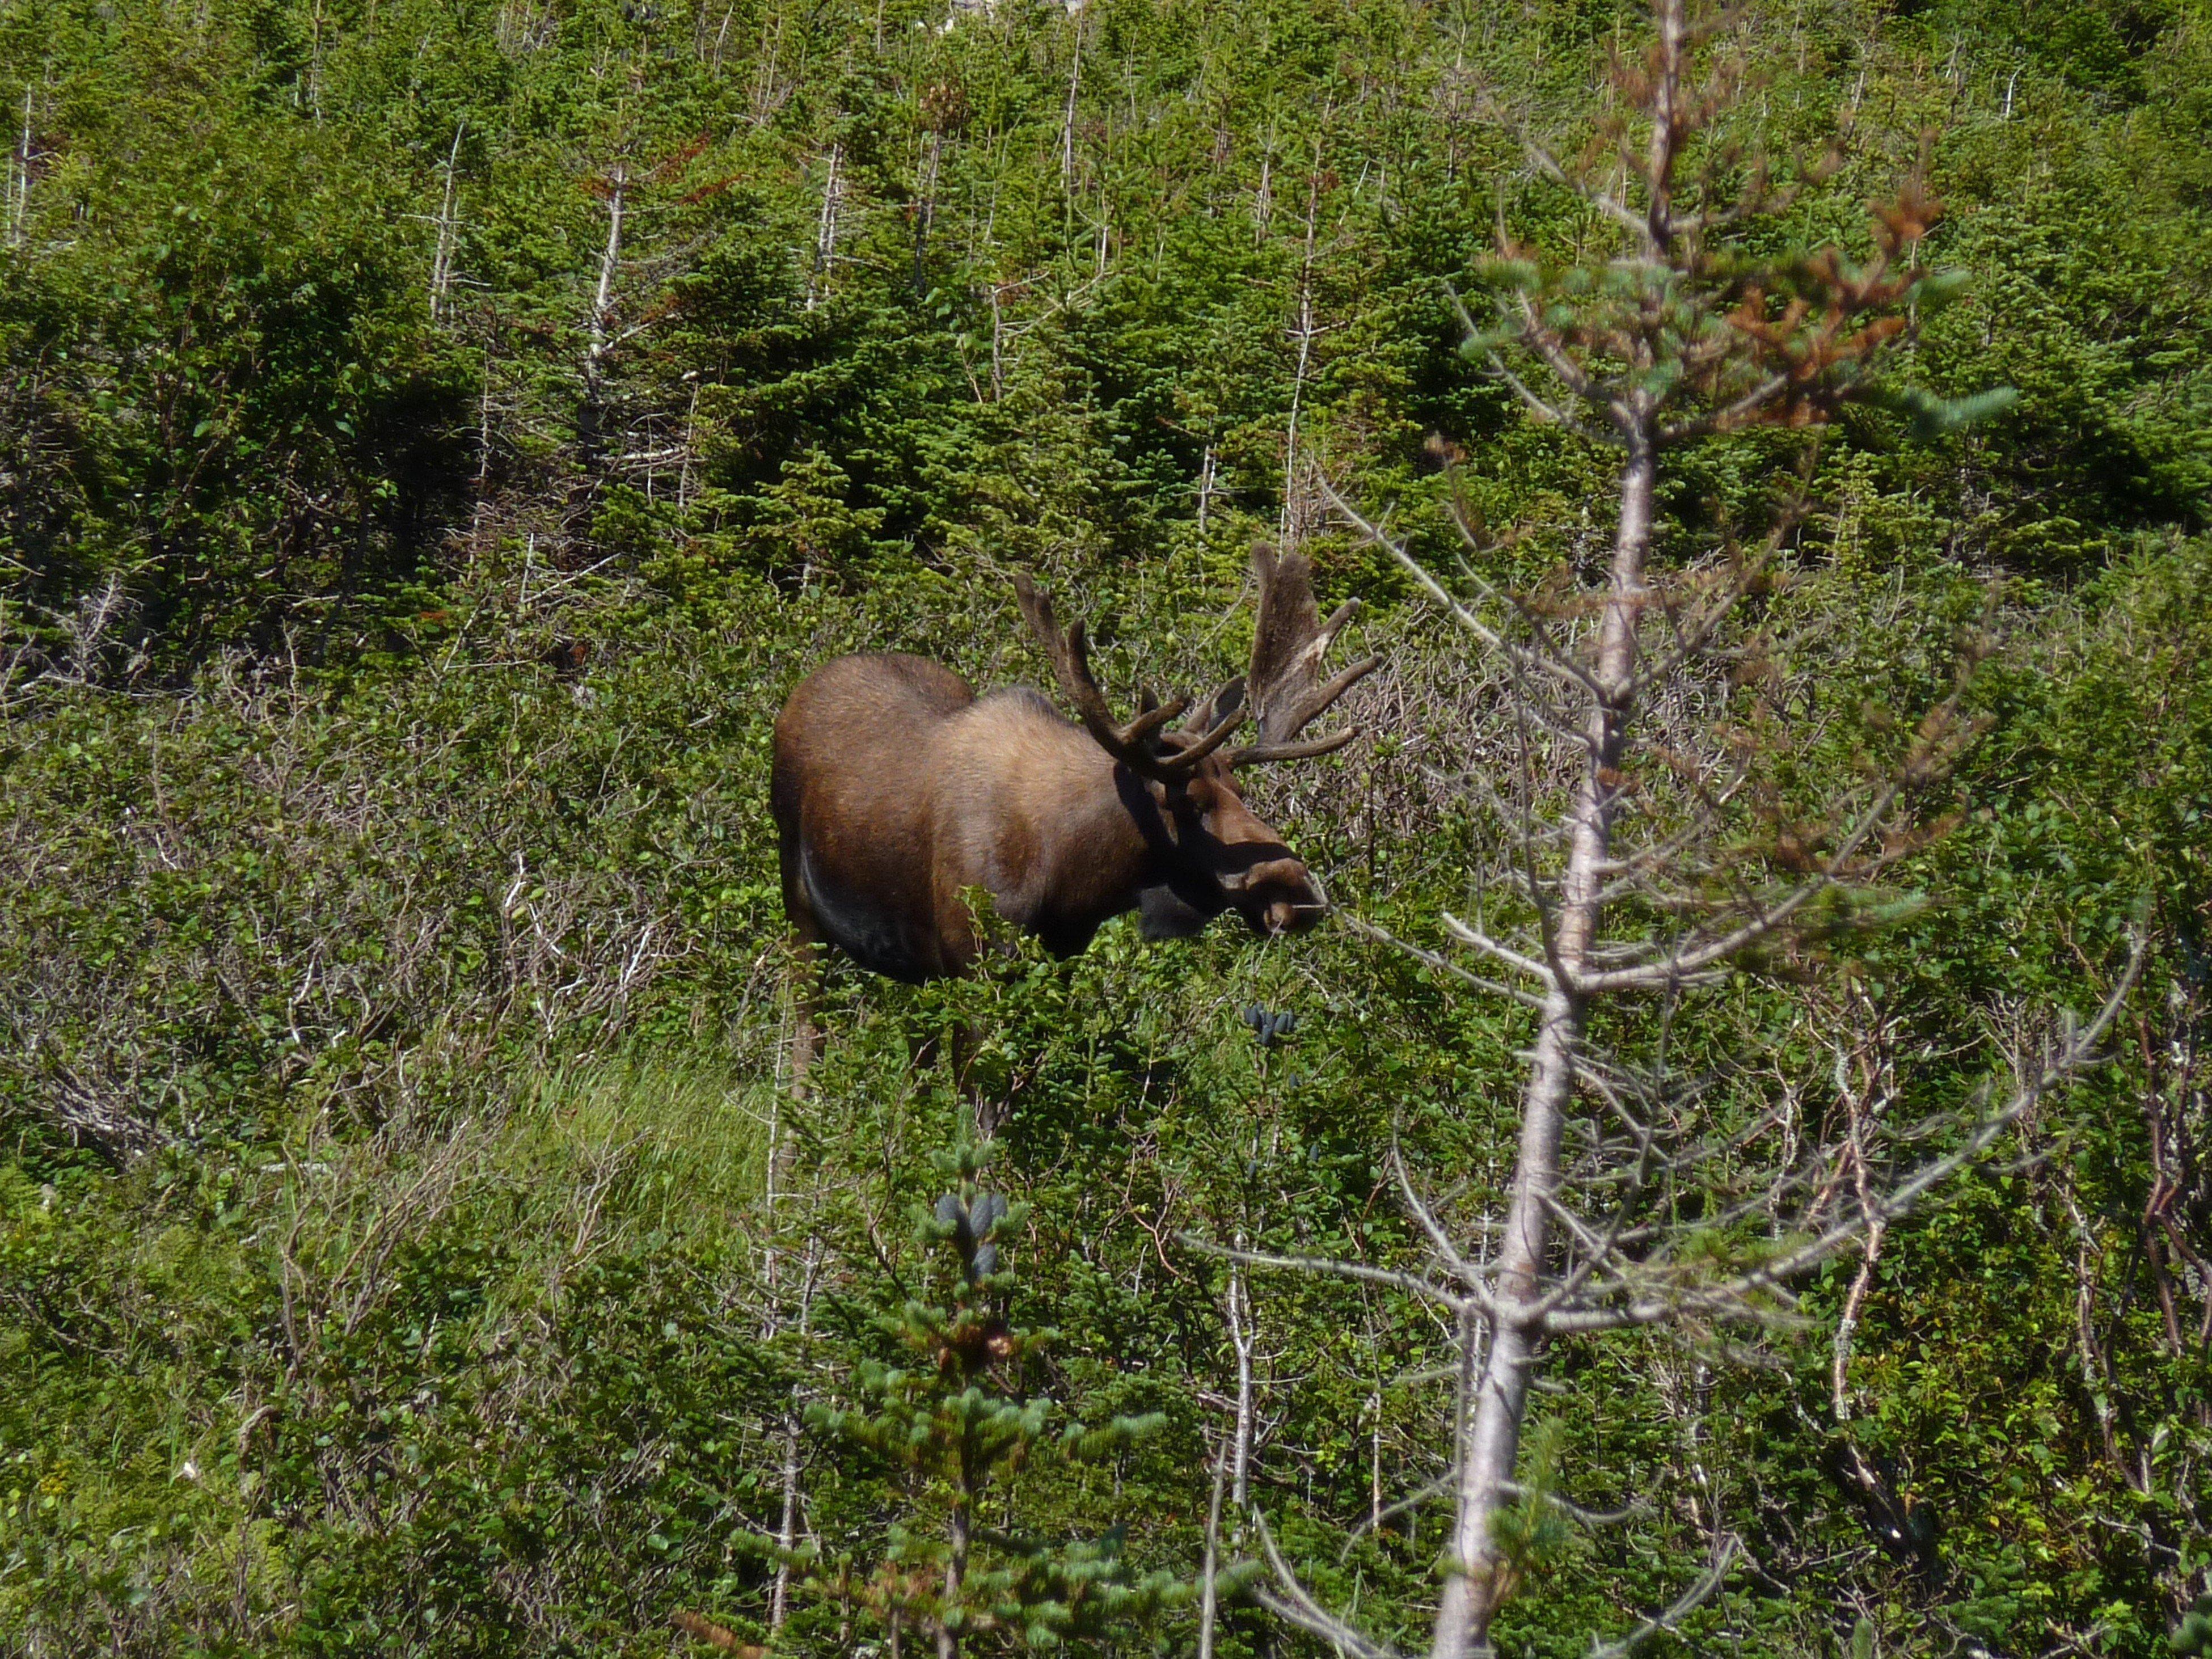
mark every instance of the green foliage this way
{"type": "Point", "coordinates": [944, 1420]}
{"type": "Point", "coordinates": [2193, 1635]}
{"type": "Point", "coordinates": [355, 1383]}
{"type": "Point", "coordinates": [389, 1004]}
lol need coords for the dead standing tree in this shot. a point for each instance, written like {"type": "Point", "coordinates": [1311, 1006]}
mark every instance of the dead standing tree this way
{"type": "Point", "coordinates": [653, 232]}
{"type": "Point", "coordinates": [1652, 834]}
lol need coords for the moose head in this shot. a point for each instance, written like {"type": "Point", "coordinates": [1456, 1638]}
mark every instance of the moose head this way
{"type": "Point", "coordinates": [1212, 853]}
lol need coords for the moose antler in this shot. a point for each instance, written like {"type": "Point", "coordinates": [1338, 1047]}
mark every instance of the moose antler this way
{"type": "Point", "coordinates": [1132, 744]}
{"type": "Point", "coordinates": [1287, 649]}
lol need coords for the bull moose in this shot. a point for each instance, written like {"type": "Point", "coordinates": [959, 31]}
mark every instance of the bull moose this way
{"type": "Point", "coordinates": [895, 789]}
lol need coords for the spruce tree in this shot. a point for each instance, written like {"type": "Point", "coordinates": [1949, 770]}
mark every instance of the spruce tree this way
{"type": "Point", "coordinates": [953, 1417]}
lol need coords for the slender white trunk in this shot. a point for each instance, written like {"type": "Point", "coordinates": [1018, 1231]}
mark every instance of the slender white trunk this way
{"type": "Point", "coordinates": [1291, 520]}
{"type": "Point", "coordinates": [1068, 120]}
{"type": "Point", "coordinates": [598, 337]}
{"type": "Point", "coordinates": [441, 257]}
{"type": "Point", "coordinates": [1208, 1600]}
{"type": "Point", "coordinates": [1241, 1338]}
{"type": "Point", "coordinates": [1263, 199]}
{"type": "Point", "coordinates": [1293, 515]}
{"type": "Point", "coordinates": [690, 450]}
{"type": "Point", "coordinates": [767, 95]}
{"type": "Point", "coordinates": [603, 300]}
{"type": "Point", "coordinates": [1375, 1458]}
{"type": "Point", "coordinates": [787, 1531]}
{"type": "Point", "coordinates": [1481, 1575]}
{"type": "Point", "coordinates": [925, 205]}
{"type": "Point", "coordinates": [19, 202]}
{"type": "Point", "coordinates": [998, 345]}
{"type": "Point", "coordinates": [314, 88]}
{"type": "Point", "coordinates": [956, 1563]}
{"type": "Point", "coordinates": [825, 230]}
{"type": "Point", "coordinates": [597, 323]}
{"type": "Point", "coordinates": [483, 440]}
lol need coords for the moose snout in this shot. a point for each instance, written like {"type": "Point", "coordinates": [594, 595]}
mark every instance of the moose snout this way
{"type": "Point", "coordinates": [1277, 896]}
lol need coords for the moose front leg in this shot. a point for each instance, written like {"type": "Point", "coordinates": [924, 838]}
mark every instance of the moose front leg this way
{"type": "Point", "coordinates": [805, 1002]}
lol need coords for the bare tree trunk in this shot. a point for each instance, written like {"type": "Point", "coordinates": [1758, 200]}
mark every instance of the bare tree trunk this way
{"type": "Point", "coordinates": [481, 511]}
{"type": "Point", "coordinates": [441, 257]}
{"type": "Point", "coordinates": [1068, 120]}
{"type": "Point", "coordinates": [19, 204]}
{"type": "Point", "coordinates": [1208, 1600]}
{"type": "Point", "coordinates": [998, 343]}
{"type": "Point", "coordinates": [775, 1194]}
{"type": "Point", "coordinates": [825, 232]}
{"type": "Point", "coordinates": [314, 87]}
{"type": "Point", "coordinates": [766, 98]}
{"type": "Point", "coordinates": [1263, 199]}
{"type": "Point", "coordinates": [925, 206]}
{"type": "Point", "coordinates": [1473, 1592]}
{"type": "Point", "coordinates": [787, 1531]}
{"type": "Point", "coordinates": [599, 325]}
{"type": "Point", "coordinates": [956, 1564]}
{"type": "Point", "coordinates": [1243, 1338]}
{"type": "Point", "coordinates": [1294, 516]}
{"type": "Point", "coordinates": [689, 450]}
{"type": "Point", "coordinates": [603, 300]}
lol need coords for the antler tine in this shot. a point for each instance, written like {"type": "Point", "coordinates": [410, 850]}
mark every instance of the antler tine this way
{"type": "Point", "coordinates": [1070, 655]}
{"type": "Point", "coordinates": [1287, 649]}
{"type": "Point", "coordinates": [1184, 761]}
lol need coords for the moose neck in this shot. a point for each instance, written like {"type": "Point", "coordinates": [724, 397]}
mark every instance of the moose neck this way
{"type": "Point", "coordinates": [1118, 843]}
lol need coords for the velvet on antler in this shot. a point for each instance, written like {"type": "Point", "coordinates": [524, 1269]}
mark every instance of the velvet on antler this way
{"type": "Point", "coordinates": [1284, 683]}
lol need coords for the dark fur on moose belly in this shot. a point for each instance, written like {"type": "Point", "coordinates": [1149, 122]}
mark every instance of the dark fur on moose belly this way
{"type": "Point", "coordinates": [863, 932]}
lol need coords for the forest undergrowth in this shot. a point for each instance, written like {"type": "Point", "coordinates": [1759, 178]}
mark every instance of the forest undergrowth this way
{"type": "Point", "coordinates": [435, 437]}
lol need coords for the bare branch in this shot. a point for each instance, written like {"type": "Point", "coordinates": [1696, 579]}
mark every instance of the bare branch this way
{"type": "Point", "coordinates": [1575, 1512]}
{"type": "Point", "coordinates": [1463, 1270]}
{"type": "Point", "coordinates": [1411, 1284]}
{"type": "Point", "coordinates": [1546, 344]}
{"type": "Point", "coordinates": [1490, 947]}
{"type": "Point", "coordinates": [1441, 965]}
{"type": "Point", "coordinates": [1299, 1607]}
{"type": "Point", "coordinates": [1604, 200]}
{"type": "Point", "coordinates": [1679, 966]}
{"type": "Point", "coordinates": [1727, 1299]}
{"type": "Point", "coordinates": [1543, 409]}
{"type": "Point", "coordinates": [1727, 416]}
{"type": "Point", "coordinates": [1451, 606]}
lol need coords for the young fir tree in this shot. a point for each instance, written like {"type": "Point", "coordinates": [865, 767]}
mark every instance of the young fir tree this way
{"type": "Point", "coordinates": [954, 1420]}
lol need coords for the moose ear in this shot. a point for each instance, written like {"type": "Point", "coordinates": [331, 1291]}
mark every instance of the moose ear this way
{"type": "Point", "coordinates": [1224, 705]}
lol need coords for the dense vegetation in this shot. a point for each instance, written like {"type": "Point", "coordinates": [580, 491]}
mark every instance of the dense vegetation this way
{"type": "Point", "coordinates": [435, 433]}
